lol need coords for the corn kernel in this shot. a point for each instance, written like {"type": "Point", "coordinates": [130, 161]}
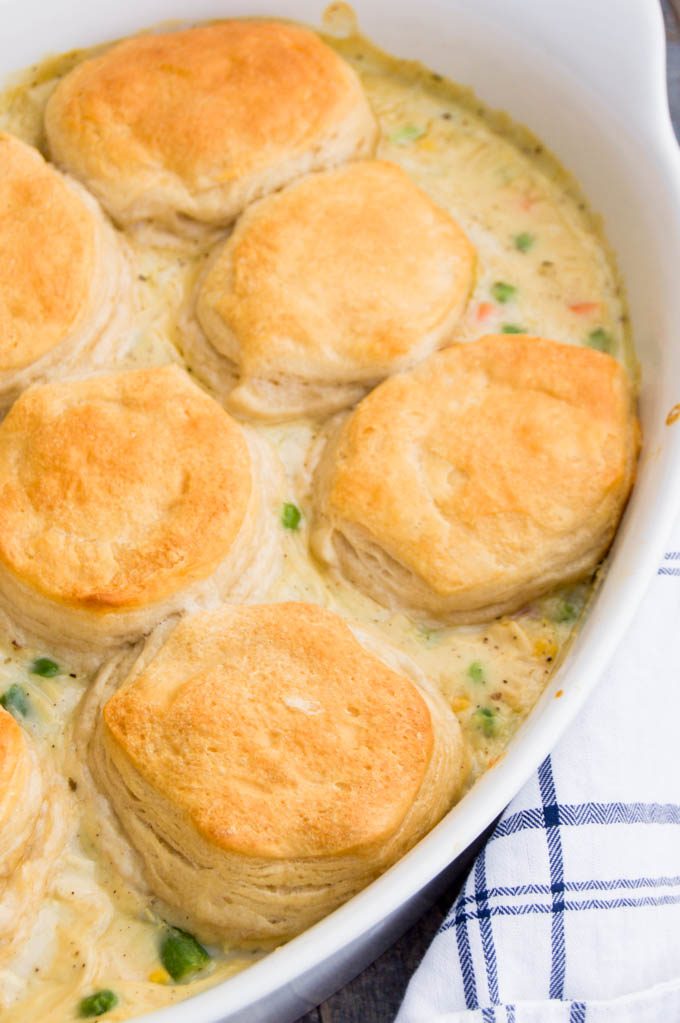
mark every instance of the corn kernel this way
{"type": "Point", "coordinates": [545, 648]}
{"type": "Point", "coordinates": [159, 976]}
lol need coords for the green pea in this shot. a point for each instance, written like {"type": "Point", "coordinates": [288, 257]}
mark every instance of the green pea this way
{"type": "Point", "coordinates": [601, 340]}
{"type": "Point", "coordinates": [523, 241]}
{"type": "Point", "coordinates": [290, 516]}
{"type": "Point", "coordinates": [182, 956]}
{"type": "Point", "coordinates": [409, 133]}
{"type": "Point", "coordinates": [98, 1003]}
{"type": "Point", "coordinates": [512, 328]}
{"type": "Point", "coordinates": [503, 292]}
{"type": "Point", "coordinates": [566, 611]}
{"type": "Point", "coordinates": [45, 667]}
{"type": "Point", "coordinates": [16, 701]}
{"type": "Point", "coordinates": [475, 672]}
{"type": "Point", "coordinates": [428, 636]}
{"type": "Point", "coordinates": [486, 719]}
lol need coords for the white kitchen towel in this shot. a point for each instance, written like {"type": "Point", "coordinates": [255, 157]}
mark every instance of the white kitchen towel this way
{"type": "Point", "coordinates": [571, 913]}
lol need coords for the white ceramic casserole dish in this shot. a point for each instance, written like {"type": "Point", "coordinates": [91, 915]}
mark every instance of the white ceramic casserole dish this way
{"type": "Point", "coordinates": [587, 78]}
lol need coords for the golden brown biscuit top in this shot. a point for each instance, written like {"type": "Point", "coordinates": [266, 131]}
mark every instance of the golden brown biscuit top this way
{"type": "Point", "coordinates": [275, 732]}
{"type": "Point", "coordinates": [462, 468]}
{"type": "Point", "coordinates": [342, 271]}
{"type": "Point", "coordinates": [47, 252]}
{"type": "Point", "coordinates": [118, 490]}
{"type": "Point", "coordinates": [209, 104]}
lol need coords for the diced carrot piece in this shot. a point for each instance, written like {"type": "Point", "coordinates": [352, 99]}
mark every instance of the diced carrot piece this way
{"type": "Point", "coordinates": [585, 308]}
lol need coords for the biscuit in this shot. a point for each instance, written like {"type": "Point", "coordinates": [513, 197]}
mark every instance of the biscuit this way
{"type": "Point", "coordinates": [490, 474]}
{"type": "Point", "coordinates": [266, 766]}
{"type": "Point", "coordinates": [65, 283]}
{"type": "Point", "coordinates": [20, 795]}
{"type": "Point", "coordinates": [184, 129]}
{"type": "Point", "coordinates": [124, 498]}
{"type": "Point", "coordinates": [34, 824]}
{"type": "Point", "coordinates": [324, 289]}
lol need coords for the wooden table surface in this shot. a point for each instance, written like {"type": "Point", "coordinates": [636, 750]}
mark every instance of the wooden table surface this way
{"type": "Point", "coordinates": [375, 995]}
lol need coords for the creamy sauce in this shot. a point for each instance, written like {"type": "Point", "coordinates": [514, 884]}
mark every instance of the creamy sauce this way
{"type": "Point", "coordinates": [532, 231]}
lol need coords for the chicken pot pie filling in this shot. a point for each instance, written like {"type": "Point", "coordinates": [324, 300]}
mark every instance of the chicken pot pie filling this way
{"type": "Point", "coordinates": [96, 945]}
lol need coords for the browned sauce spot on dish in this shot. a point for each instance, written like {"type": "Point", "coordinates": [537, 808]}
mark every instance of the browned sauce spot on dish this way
{"type": "Point", "coordinates": [673, 415]}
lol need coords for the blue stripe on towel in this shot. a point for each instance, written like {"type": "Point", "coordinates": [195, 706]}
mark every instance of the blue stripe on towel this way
{"type": "Point", "coordinates": [466, 965]}
{"type": "Point", "coordinates": [575, 814]}
{"type": "Point", "coordinates": [551, 817]}
{"type": "Point", "coordinates": [513, 891]}
{"type": "Point", "coordinates": [525, 909]}
{"type": "Point", "coordinates": [485, 928]}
